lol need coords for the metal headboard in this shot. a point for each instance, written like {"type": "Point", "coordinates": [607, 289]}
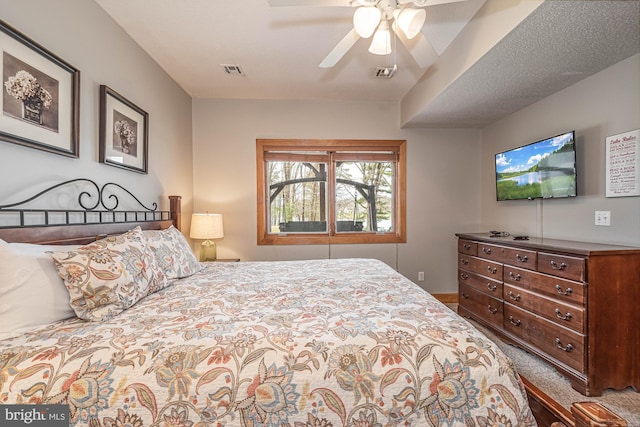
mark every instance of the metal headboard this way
{"type": "Point", "coordinates": [96, 205]}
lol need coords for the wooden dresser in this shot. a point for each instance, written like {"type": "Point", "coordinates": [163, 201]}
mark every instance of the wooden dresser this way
{"type": "Point", "coordinates": [574, 304]}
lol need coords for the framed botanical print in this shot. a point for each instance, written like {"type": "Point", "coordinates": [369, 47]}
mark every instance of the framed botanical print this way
{"type": "Point", "coordinates": [124, 132]}
{"type": "Point", "coordinates": [40, 96]}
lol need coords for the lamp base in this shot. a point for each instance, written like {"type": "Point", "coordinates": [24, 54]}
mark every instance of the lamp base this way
{"type": "Point", "coordinates": [208, 251]}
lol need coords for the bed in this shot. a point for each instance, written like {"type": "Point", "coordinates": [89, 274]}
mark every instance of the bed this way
{"type": "Point", "coordinates": [341, 342]}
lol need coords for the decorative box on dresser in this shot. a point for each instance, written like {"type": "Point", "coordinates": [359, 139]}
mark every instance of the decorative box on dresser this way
{"type": "Point", "coordinates": [574, 304]}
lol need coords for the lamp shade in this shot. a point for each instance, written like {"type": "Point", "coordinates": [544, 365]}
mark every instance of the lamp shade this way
{"type": "Point", "coordinates": [381, 43]}
{"type": "Point", "coordinates": [206, 226]}
{"type": "Point", "coordinates": [410, 21]}
{"type": "Point", "coordinates": [366, 20]}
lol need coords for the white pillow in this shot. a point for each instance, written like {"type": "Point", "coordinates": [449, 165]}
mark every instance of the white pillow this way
{"type": "Point", "coordinates": [31, 292]}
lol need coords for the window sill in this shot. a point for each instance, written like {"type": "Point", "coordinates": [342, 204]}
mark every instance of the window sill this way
{"type": "Point", "coordinates": [323, 239]}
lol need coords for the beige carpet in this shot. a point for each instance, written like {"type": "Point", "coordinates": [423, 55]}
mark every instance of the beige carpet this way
{"type": "Point", "coordinates": [624, 403]}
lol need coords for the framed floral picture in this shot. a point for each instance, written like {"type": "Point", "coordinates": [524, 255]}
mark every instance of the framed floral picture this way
{"type": "Point", "coordinates": [124, 132]}
{"type": "Point", "coordinates": [40, 96]}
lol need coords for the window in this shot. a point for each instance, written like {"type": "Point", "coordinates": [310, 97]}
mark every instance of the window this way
{"type": "Point", "coordinates": [330, 191]}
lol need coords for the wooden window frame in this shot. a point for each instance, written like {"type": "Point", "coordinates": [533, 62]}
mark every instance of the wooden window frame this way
{"type": "Point", "coordinates": [265, 146]}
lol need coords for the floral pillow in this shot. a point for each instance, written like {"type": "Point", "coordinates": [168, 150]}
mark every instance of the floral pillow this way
{"type": "Point", "coordinates": [173, 254]}
{"type": "Point", "coordinates": [110, 275]}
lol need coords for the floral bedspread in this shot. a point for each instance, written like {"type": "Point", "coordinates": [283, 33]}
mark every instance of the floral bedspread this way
{"type": "Point", "coordinates": [296, 343]}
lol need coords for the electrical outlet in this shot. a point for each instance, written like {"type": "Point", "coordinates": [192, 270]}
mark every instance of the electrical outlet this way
{"type": "Point", "coordinates": [420, 276]}
{"type": "Point", "coordinates": [603, 218]}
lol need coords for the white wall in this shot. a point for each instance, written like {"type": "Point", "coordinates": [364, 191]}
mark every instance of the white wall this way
{"type": "Point", "coordinates": [605, 104]}
{"type": "Point", "coordinates": [442, 179]}
{"type": "Point", "coordinates": [84, 35]}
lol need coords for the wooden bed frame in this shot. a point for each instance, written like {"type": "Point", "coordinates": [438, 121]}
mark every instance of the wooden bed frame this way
{"type": "Point", "coordinates": [546, 411]}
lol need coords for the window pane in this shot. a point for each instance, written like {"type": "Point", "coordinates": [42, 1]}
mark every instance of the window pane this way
{"type": "Point", "coordinates": [297, 197]}
{"type": "Point", "coordinates": [364, 196]}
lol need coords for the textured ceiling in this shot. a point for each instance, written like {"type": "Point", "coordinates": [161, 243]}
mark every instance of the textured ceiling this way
{"type": "Point", "coordinates": [558, 44]}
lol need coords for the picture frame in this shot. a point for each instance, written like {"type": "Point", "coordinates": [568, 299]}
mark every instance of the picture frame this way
{"type": "Point", "coordinates": [124, 132]}
{"type": "Point", "coordinates": [40, 101]}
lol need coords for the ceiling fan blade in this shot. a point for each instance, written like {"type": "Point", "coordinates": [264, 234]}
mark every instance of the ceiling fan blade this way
{"type": "Point", "coordinates": [324, 3]}
{"type": "Point", "coordinates": [419, 47]}
{"type": "Point", "coordinates": [341, 48]}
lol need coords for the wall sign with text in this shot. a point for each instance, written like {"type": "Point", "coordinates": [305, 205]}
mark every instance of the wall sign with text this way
{"type": "Point", "coordinates": [623, 164]}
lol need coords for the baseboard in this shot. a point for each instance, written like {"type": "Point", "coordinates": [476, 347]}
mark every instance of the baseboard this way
{"type": "Point", "coordinates": [447, 298]}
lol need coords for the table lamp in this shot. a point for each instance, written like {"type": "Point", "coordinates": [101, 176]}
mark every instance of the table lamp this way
{"type": "Point", "coordinates": [206, 226]}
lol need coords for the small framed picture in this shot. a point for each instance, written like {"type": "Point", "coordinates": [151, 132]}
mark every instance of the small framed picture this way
{"type": "Point", "coordinates": [124, 132]}
{"type": "Point", "coordinates": [40, 96]}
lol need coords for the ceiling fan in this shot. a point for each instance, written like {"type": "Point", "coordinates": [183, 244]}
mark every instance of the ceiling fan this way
{"type": "Point", "coordinates": [375, 18]}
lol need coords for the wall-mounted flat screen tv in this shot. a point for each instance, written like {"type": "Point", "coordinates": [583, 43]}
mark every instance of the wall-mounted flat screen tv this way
{"type": "Point", "coordinates": [543, 169]}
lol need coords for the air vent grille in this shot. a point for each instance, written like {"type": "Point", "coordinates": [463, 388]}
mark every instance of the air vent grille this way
{"type": "Point", "coordinates": [385, 72]}
{"type": "Point", "coordinates": [232, 69]}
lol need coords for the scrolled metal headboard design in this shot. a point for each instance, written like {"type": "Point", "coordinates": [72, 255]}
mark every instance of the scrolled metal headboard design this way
{"type": "Point", "coordinates": [95, 205]}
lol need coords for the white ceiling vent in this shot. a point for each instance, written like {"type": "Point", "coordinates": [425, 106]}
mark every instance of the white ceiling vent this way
{"type": "Point", "coordinates": [234, 70]}
{"type": "Point", "coordinates": [385, 72]}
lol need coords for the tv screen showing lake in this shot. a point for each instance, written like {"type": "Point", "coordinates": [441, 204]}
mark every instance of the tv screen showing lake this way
{"type": "Point", "coordinates": [544, 169]}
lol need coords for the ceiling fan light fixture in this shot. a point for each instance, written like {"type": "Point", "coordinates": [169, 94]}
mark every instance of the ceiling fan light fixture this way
{"type": "Point", "coordinates": [366, 20]}
{"type": "Point", "coordinates": [410, 21]}
{"type": "Point", "coordinates": [381, 43]}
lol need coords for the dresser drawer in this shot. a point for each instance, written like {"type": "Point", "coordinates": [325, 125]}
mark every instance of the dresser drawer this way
{"type": "Point", "coordinates": [551, 286]}
{"type": "Point", "coordinates": [481, 304]}
{"type": "Point", "coordinates": [480, 283]}
{"type": "Point", "coordinates": [480, 266]}
{"type": "Point", "coordinates": [562, 266]}
{"type": "Point", "coordinates": [566, 315]}
{"type": "Point", "coordinates": [521, 257]}
{"type": "Point", "coordinates": [560, 343]}
{"type": "Point", "coordinates": [467, 247]}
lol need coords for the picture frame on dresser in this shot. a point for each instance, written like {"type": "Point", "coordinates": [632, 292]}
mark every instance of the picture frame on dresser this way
{"type": "Point", "coordinates": [124, 132]}
{"type": "Point", "coordinates": [40, 96]}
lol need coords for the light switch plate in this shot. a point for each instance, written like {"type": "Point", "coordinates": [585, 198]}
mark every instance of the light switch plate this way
{"type": "Point", "coordinates": [603, 218]}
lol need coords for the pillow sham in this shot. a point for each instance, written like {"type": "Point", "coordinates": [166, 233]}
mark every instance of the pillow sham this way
{"type": "Point", "coordinates": [172, 251]}
{"type": "Point", "coordinates": [110, 275]}
{"type": "Point", "coordinates": [31, 292]}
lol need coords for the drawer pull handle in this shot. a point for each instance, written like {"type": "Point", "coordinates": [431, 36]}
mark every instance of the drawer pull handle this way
{"type": "Point", "coordinates": [514, 297]}
{"type": "Point", "coordinates": [513, 321]}
{"type": "Point", "coordinates": [464, 261]}
{"type": "Point", "coordinates": [465, 296]}
{"type": "Point", "coordinates": [561, 292]}
{"type": "Point", "coordinates": [492, 270]}
{"type": "Point", "coordinates": [464, 276]}
{"type": "Point", "coordinates": [555, 266]}
{"type": "Point", "coordinates": [522, 259]}
{"type": "Point", "coordinates": [566, 348]}
{"type": "Point", "coordinates": [492, 310]}
{"type": "Point", "coordinates": [486, 250]}
{"type": "Point", "coordinates": [515, 277]}
{"type": "Point", "coordinates": [491, 287]}
{"type": "Point", "coordinates": [466, 246]}
{"type": "Point", "coordinates": [559, 315]}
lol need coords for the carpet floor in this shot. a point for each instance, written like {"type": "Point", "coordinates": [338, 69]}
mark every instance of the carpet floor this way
{"type": "Point", "coordinates": [625, 403]}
